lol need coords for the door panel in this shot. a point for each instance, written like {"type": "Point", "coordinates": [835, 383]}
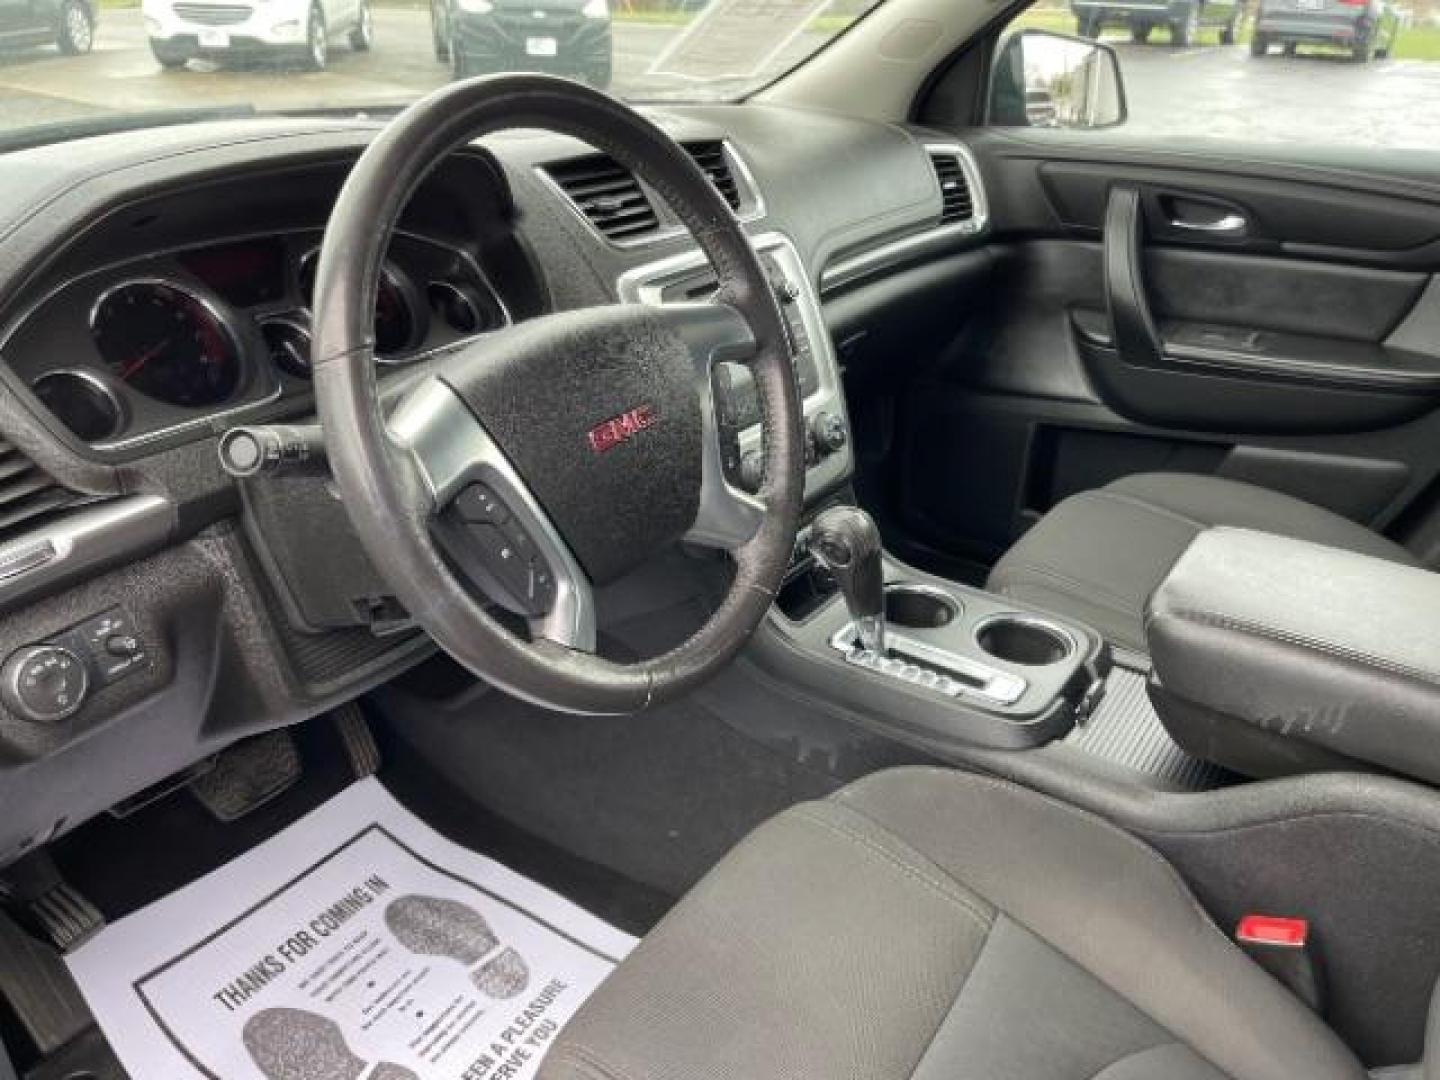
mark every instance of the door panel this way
{"type": "Point", "coordinates": [1297, 348]}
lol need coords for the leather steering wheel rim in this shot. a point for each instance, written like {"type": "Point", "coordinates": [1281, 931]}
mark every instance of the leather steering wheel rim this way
{"type": "Point", "coordinates": [391, 501]}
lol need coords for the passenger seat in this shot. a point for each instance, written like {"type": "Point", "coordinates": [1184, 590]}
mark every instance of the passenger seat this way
{"type": "Point", "coordinates": [1098, 555]}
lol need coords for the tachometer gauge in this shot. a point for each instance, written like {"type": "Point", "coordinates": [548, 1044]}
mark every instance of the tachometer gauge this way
{"type": "Point", "coordinates": [397, 310]}
{"type": "Point", "coordinates": [167, 343]}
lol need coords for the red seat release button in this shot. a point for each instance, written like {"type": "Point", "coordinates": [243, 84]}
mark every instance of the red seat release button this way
{"type": "Point", "coordinates": [1273, 930]}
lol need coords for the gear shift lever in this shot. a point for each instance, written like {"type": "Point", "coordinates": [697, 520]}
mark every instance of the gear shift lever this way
{"type": "Point", "coordinates": [847, 543]}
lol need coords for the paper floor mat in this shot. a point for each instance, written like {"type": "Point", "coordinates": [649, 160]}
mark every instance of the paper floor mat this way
{"type": "Point", "coordinates": [356, 945]}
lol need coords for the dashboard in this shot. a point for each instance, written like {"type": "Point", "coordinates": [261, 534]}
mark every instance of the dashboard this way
{"type": "Point", "coordinates": [156, 291]}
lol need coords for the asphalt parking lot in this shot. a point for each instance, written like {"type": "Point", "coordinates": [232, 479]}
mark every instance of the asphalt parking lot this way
{"type": "Point", "coordinates": [1201, 91]}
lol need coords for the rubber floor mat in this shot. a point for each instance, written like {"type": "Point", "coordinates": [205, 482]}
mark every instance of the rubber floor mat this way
{"type": "Point", "coordinates": [358, 944]}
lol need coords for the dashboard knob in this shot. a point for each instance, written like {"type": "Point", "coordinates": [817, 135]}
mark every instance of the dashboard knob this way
{"type": "Point", "coordinates": [44, 683]}
{"type": "Point", "coordinates": [829, 433]}
{"type": "Point", "coordinates": [752, 470]}
{"type": "Point", "coordinates": [787, 289]}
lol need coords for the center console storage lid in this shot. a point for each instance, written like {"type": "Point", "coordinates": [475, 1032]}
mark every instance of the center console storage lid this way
{"type": "Point", "coordinates": [1275, 656]}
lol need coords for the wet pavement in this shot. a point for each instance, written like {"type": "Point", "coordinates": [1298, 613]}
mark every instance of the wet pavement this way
{"type": "Point", "coordinates": [1205, 91]}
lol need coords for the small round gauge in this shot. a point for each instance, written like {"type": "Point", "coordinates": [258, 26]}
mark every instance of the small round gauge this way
{"type": "Point", "coordinates": [462, 308]}
{"type": "Point", "coordinates": [289, 345]}
{"type": "Point", "coordinates": [167, 343]}
{"type": "Point", "coordinates": [396, 314]}
{"type": "Point", "coordinates": [81, 402]}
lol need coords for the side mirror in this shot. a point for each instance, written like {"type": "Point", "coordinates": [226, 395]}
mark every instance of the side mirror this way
{"type": "Point", "coordinates": [1043, 79]}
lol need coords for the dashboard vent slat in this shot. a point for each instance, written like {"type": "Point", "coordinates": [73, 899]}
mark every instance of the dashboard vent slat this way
{"type": "Point", "coordinates": [607, 194]}
{"type": "Point", "coordinates": [714, 163]}
{"type": "Point", "coordinates": [612, 199]}
{"type": "Point", "coordinates": [27, 493]}
{"type": "Point", "coordinates": [956, 203]}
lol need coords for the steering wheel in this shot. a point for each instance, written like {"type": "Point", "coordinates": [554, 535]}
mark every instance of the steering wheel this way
{"type": "Point", "coordinates": [538, 462]}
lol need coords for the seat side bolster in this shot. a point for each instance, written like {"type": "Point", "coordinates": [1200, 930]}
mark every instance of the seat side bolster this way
{"type": "Point", "coordinates": [1114, 907]}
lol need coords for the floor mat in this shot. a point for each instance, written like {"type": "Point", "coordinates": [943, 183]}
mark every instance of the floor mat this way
{"type": "Point", "coordinates": [356, 943]}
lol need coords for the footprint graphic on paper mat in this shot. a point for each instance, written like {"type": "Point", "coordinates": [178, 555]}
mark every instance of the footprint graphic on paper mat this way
{"type": "Point", "coordinates": [434, 926]}
{"type": "Point", "coordinates": [292, 1044]}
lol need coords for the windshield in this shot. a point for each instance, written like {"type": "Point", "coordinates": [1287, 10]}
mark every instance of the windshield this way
{"type": "Point", "coordinates": [88, 64]}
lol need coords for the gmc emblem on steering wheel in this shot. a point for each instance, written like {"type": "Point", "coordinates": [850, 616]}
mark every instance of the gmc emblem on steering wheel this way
{"type": "Point", "coordinates": [611, 433]}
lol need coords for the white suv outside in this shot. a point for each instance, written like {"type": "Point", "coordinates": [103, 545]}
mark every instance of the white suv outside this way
{"type": "Point", "coordinates": [182, 29]}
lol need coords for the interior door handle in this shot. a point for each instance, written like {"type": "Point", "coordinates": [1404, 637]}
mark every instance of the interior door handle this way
{"type": "Point", "coordinates": [1230, 225]}
{"type": "Point", "coordinates": [1137, 340]}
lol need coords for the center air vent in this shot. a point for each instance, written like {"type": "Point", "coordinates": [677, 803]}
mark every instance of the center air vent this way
{"type": "Point", "coordinates": [955, 200]}
{"type": "Point", "coordinates": [608, 195]}
{"type": "Point", "coordinates": [714, 163]}
{"type": "Point", "coordinates": [27, 493]}
{"type": "Point", "coordinates": [613, 200]}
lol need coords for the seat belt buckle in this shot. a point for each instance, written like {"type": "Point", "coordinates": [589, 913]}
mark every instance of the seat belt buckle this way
{"type": "Point", "coordinates": [1283, 947]}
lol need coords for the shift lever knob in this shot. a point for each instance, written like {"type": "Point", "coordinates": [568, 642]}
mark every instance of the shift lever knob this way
{"type": "Point", "coordinates": [847, 543]}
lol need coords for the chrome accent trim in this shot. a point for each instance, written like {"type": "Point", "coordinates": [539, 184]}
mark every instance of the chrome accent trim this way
{"type": "Point", "coordinates": [727, 517]}
{"type": "Point", "coordinates": [290, 237]}
{"type": "Point", "coordinates": [951, 602]}
{"type": "Point", "coordinates": [1233, 224]}
{"type": "Point", "coordinates": [219, 311]}
{"type": "Point", "coordinates": [93, 379]}
{"type": "Point", "coordinates": [915, 245]}
{"type": "Point", "coordinates": [645, 285]}
{"type": "Point", "coordinates": [927, 667]}
{"type": "Point", "coordinates": [871, 631]}
{"type": "Point", "coordinates": [87, 539]}
{"type": "Point", "coordinates": [756, 211]}
{"type": "Point", "coordinates": [451, 449]}
{"type": "Point", "coordinates": [201, 295]}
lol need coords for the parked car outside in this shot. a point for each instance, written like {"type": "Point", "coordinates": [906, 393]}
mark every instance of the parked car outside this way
{"type": "Point", "coordinates": [181, 30]}
{"type": "Point", "coordinates": [1367, 28]}
{"type": "Point", "coordinates": [68, 24]}
{"type": "Point", "coordinates": [560, 37]}
{"type": "Point", "coordinates": [1184, 18]}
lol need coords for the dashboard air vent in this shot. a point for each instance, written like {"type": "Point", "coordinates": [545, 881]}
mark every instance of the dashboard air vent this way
{"type": "Point", "coordinates": [955, 200]}
{"type": "Point", "coordinates": [607, 194]}
{"type": "Point", "coordinates": [714, 163]}
{"type": "Point", "coordinates": [27, 493]}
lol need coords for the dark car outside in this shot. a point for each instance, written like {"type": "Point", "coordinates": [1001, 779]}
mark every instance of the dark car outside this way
{"type": "Point", "coordinates": [559, 37]}
{"type": "Point", "coordinates": [68, 24]}
{"type": "Point", "coordinates": [1367, 28]}
{"type": "Point", "coordinates": [1185, 19]}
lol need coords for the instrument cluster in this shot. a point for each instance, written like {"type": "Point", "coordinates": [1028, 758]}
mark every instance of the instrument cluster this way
{"type": "Point", "coordinates": [132, 354]}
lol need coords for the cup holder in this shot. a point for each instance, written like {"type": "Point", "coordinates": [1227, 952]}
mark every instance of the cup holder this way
{"type": "Point", "coordinates": [1019, 640]}
{"type": "Point", "coordinates": [918, 607]}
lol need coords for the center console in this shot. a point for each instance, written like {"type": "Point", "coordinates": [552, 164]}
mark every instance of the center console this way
{"type": "Point", "coordinates": [950, 664]}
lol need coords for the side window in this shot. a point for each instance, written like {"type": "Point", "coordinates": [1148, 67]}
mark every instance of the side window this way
{"type": "Point", "coordinates": [1323, 72]}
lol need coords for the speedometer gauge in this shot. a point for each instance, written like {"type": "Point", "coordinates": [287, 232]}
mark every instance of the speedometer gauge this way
{"type": "Point", "coordinates": [167, 343]}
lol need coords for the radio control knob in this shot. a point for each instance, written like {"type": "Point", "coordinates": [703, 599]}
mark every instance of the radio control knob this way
{"type": "Point", "coordinates": [829, 432]}
{"type": "Point", "coordinates": [752, 470]}
{"type": "Point", "coordinates": [44, 683]}
{"type": "Point", "coordinates": [787, 290]}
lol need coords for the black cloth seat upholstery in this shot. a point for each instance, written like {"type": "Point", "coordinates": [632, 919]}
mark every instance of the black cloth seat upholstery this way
{"type": "Point", "coordinates": [933, 924]}
{"type": "Point", "coordinates": [1097, 556]}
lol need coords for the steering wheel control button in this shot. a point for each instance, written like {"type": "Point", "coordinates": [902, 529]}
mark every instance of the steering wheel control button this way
{"type": "Point", "coordinates": [829, 433]}
{"type": "Point", "coordinates": [44, 683]}
{"type": "Point", "coordinates": [111, 645]}
{"type": "Point", "coordinates": [479, 505]}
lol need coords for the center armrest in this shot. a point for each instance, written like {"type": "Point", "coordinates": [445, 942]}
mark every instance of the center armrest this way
{"type": "Point", "coordinates": [1274, 655]}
